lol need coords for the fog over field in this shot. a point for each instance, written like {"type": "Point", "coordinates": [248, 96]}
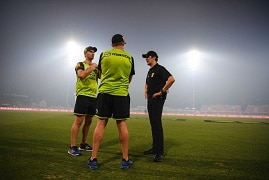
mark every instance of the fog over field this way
{"type": "Point", "coordinates": [231, 37]}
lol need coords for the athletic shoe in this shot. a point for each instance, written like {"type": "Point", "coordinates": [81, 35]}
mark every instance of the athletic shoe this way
{"type": "Point", "coordinates": [92, 164]}
{"type": "Point", "coordinates": [74, 151]}
{"type": "Point", "coordinates": [158, 157]}
{"type": "Point", "coordinates": [126, 164]}
{"type": "Point", "coordinates": [150, 151]}
{"type": "Point", "coordinates": [85, 147]}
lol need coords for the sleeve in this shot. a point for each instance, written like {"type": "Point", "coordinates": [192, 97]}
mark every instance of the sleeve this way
{"type": "Point", "coordinates": [133, 68]}
{"type": "Point", "coordinates": [165, 74]}
{"type": "Point", "coordinates": [79, 65]}
{"type": "Point", "coordinates": [99, 63]}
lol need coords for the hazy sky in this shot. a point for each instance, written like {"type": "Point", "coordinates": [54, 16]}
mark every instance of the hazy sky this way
{"type": "Point", "coordinates": [231, 35]}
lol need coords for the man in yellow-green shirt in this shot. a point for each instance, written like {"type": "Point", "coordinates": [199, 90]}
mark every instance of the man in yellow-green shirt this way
{"type": "Point", "coordinates": [116, 69]}
{"type": "Point", "coordinates": [85, 105]}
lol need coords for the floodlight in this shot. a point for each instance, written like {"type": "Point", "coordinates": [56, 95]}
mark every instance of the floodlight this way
{"type": "Point", "coordinates": [73, 50]}
{"type": "Point", "coordinates": [194, 59]}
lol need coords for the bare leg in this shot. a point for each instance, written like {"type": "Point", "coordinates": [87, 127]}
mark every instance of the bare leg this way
{"type": "Point", "coordinates": [123, 137]}
{"type": "Point", "coordinates": [98, 137]}
{"type": "Point", "coordinates": [75, 129]}
{"type": "Point", "coordinates": [85, 128]}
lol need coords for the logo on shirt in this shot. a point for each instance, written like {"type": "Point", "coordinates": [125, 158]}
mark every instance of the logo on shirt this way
{"type": "Point", "coordinates": [106, 54]}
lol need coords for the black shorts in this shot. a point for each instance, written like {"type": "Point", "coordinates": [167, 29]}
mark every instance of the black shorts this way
{"type": "Point", "coordinates": [85, 106]}
{"type": "Point", "coordinates": [109, 106]}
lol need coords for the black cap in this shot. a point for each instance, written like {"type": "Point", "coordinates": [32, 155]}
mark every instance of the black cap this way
{"type": "Point", "coordinates": [150, 53]}
{"type": "Point", "coordinates": [118, 38]}
{"type": "Point", "coordinates": [90, 48]}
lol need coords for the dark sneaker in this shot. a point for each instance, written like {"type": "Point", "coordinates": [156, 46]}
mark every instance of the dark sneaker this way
{"type": "Point", "coordinates": [150, 151]}
{"type": "Point", "coordinates": [92, 164]}
{"type": "Point", "coordinates": [74, 151]}
{"type": "Point", "coordinates": [126, 164]}
{"type": "Point", "coordinates": [158, 157]}
{"type": "Point", "coordinates": [85, 147]}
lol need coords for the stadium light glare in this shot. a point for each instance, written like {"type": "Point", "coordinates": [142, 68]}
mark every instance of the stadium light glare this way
{"type": "Point", "coordinates": [73, 51]}
{"type": "Point", "coordinates": [73, 55]}
{"type": "Point", "coordinates": [194, 57]}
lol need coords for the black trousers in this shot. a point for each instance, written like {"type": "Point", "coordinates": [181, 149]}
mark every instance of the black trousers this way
{"type": "Point", "coordinates": [155, 109]}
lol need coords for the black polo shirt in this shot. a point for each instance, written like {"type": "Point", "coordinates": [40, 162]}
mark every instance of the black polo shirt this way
{"type": "Point", "coordinates": [156, 79]}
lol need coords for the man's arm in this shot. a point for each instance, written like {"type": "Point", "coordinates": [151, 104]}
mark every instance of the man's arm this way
{"type": "Point", "coordinates": [146, 91]}
{"type": "Point", "coordinates": [170, 81]}
{"type": "Point", "coordinates": [84, 73]}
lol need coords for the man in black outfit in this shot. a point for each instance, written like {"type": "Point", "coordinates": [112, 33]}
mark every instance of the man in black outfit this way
{"type": "Point", "coordinates": [158, 81]}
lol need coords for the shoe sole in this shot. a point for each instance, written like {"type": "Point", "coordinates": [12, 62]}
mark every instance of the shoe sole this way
{"type": "Point", "coordinates": [73, 154]}
{"type": "Point", "coordinates": [84, 149]}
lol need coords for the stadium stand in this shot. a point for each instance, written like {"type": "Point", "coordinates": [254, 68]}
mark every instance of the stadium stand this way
{"type": "Point", "coordinates": [235, 109]}
{"type": "Point", "coordinates": [15, 100]}
{"type": "Point", "coordinates": [221, 109]}
{"type": "Point", "coordinates": [257, 110]}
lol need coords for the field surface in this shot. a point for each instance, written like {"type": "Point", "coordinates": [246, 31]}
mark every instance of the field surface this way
{"type": "Point", "coordinates": [34, 145]}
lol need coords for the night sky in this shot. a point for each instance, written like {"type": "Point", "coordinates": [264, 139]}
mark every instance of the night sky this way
{"type": "Point", "coordinates": [232, 37]}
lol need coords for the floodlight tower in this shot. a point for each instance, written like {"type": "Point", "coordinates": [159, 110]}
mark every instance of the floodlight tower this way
{"type": "Point", "coordinates": [194, 59]}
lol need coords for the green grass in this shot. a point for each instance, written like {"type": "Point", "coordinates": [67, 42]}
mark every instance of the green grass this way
{"type": "Point", "coordinates": [34, 146]}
